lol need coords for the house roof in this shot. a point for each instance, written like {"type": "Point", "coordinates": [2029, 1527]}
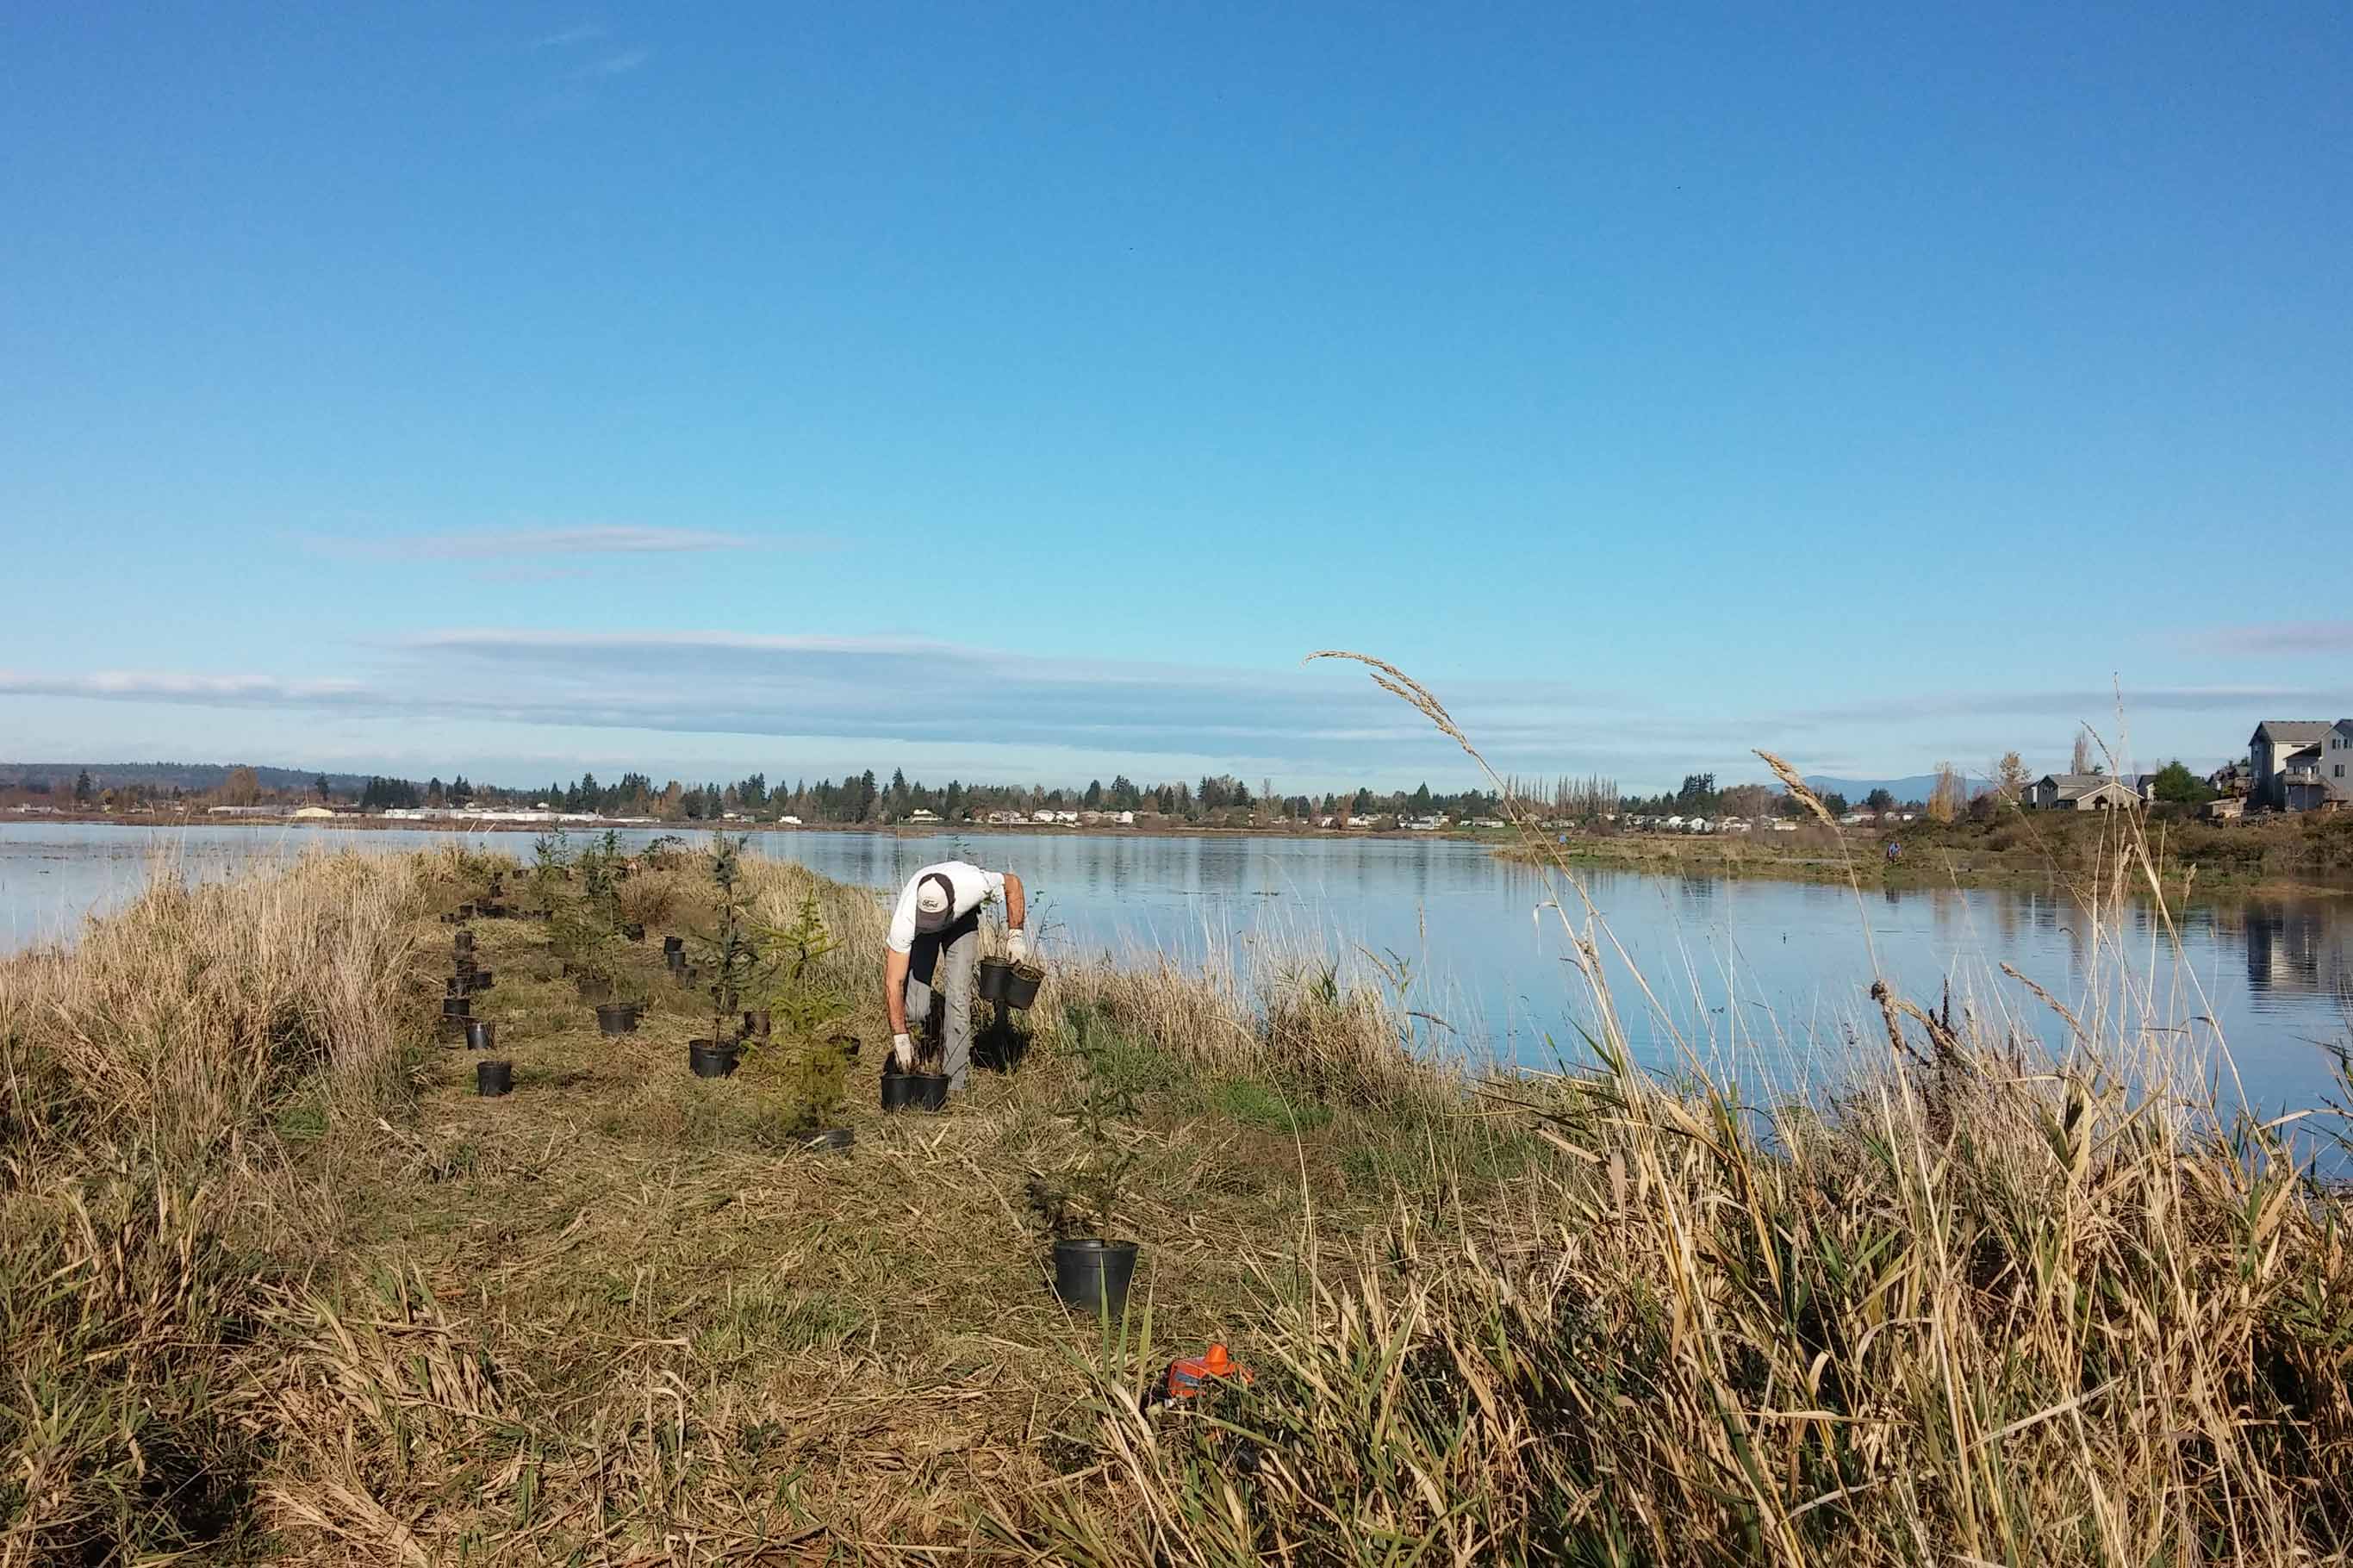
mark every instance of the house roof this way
{"type": "Point", "coordinates": [2075, 781]}
{"type": "Point", "coordinates": [2291, 731]}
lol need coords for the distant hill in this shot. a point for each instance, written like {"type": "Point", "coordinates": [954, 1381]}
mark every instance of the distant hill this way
{"type": "Point", "coordinates": [1915, 787]}
{"type": "Point", "coordinates": [169, 776]}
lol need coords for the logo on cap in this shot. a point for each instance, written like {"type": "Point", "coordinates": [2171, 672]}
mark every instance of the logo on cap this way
{"type": "Point", "coordinates": [933, 901]}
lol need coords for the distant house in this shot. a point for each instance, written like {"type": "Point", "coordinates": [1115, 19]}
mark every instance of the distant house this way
{"type": "Point", "coordinates": [1127, 819]}
{"type": "Point", "coordinates": [920, 815]}
{"type": "Point", "coordinates": [2281, 747]}
{"type": "Point", "coordinates": [2318, 776]}
{"type": "Point", "coordinates": [789, 821]}
{"type": "Point", "coordinates": [2079, 791]}
{"type": "Point", "coordinates": [312, 813]}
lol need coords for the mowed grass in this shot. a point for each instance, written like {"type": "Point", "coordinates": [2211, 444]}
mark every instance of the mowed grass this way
{"type": "Point", "coordinates": [875, 1326]}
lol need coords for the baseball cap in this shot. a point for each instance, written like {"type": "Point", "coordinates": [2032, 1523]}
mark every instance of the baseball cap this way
{"type": "Point", "coordinates": [934, 900]}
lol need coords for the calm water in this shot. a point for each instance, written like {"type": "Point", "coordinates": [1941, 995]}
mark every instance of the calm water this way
{"type": "Point", "coordinates": [1769, 977]}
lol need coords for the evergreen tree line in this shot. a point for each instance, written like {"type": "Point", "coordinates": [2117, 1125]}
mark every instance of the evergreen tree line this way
{"type": "Point", "coordinates": [867, 797]}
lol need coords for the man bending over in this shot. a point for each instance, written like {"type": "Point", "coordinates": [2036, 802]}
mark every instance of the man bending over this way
{"type": "Point", "coordinates": [935, 940]}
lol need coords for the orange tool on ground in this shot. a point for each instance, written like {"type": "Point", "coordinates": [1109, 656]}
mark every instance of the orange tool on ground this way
{"type": "Point", "coordinates": [1186, 1375]}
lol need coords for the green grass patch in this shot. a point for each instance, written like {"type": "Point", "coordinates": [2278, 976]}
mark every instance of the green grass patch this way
{"type": "Point", "coordinates": [1255, 1104]}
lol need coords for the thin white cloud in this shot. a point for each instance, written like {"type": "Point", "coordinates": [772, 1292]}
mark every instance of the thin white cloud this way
{"type": "Point", "coordinates": [620, 64]}
{"type": "Point", "coordinates": [2280, 637]}
{"type": "Point", "coordinates": [587, 32]}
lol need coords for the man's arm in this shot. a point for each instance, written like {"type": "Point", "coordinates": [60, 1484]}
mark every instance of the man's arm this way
{"type": "Point", "coordinates": [894, 990]}
{"type": "Point", "coordinates": [1017, 908]}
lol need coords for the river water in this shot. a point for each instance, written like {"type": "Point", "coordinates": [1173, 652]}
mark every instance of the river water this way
{"type": "Point", "coordinates": [1768, 979]}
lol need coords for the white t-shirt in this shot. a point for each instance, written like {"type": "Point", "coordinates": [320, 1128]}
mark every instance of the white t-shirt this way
{"type": "Point", "coordinates": [968, 883]}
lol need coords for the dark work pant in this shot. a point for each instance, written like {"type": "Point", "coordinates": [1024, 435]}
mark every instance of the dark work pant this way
{"type": "Point", "coordinates": [939, 969]}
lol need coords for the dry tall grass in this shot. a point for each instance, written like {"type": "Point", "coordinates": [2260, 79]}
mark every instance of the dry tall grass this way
{"type": "Point", "coordinates": [1976, 1309]}
{"type": "Point", "coordinates": [143, 1192]}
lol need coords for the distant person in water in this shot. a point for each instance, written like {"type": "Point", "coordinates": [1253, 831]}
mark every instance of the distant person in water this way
{"type": "Point", "coordinates": [934, 941]}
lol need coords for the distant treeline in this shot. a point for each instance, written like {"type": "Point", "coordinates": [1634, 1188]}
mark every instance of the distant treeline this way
{"type": "Point", "coordinates": [867, 797]}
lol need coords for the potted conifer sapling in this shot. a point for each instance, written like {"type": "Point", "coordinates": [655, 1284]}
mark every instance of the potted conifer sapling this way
{"type": "Point", "coordinates": [1093, 1267]}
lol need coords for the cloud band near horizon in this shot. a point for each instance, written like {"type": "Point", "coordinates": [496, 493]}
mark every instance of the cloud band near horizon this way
{"type": "Point", "coordinates": [867, 695]}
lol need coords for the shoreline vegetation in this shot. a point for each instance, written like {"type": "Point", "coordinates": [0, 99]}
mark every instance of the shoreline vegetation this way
{"type": "Point", "coordinates": [2306, 855]}
{"type": "Point", "coordinates": [2186, 858]}
{"type": "Point", "coordinates": [278, 1288]}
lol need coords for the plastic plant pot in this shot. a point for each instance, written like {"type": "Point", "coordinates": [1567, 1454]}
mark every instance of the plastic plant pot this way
{"type": "Point", "coordinates": [757, 1024]}
{"type": "Point", "coordinates": [898, 1091]}
{"type": "Point", "coordinates": [617, 1018]}
{"type": "Point", "coordinates": [456, 1006]}
{"type": "Point", "coordinates": [673, 944]}
{"type": "Point", "coordinates": [494, 1078]}
{"type": "Point", "coordinates": [1091, 1275]}
{"type": "Point", "coordinates": [828, 1141]}
{"type": "Point", "coordinates": [1021, 984]}
{"type": "Point", "coordinates": [634, 932]}
{"type": "Point", "coordinates": [481, 982]}
{"type": "Point", "coordinates": [462, 944]}
{"type": "Point", "coordinates": [465, 912]}
{"type": "Point", "coordinates": [931, 1091]}
{"type": "Point", "coordinates": [482, 1034]}
{"type": "Point", "coordinates": [994, 974]}
{"type": "Point", "coordinates": [712, 1058]}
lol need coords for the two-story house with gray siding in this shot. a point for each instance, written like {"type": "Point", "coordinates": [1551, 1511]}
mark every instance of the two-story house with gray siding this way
{"type": "Point", "coordinates": [2320, 777]}
{"type": "Point", "coordinates": [2278, 748]}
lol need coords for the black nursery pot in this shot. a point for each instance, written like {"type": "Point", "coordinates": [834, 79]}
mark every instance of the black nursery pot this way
{"type": "Point", "coordinates": [494, 1078]}
{"type": "Point", "coordinates": [1021, 984]}
{"type": "Point", "coordinates": [712, 1058]}
{"type": "Point", "coordinates": [931, 1091]}
{"type": "Point", "coordinates": [898, 1091]}
{"type": "Point", "coordinates": [994, 974]}
{"type": "Point", "coordinates": [617, 1017]}
{"type": "Point", "coordinates": [482, 1034]}
{"type": "Point", "coordinates": [634, 932]}
{"type": "Point", "coordinates": [465, 912]}
{"type": "Point", "coordinates": [480, 980]}
{"type": "Point", "coordinates": [462, 944]}
{"type": "Point", "coordinates": [1091, 1275]}
{"type": "Point", "coordinates": [456, 1006]}
{"type": "Point", "coordinates": [673, 944]}
{"type": "Point", "coordinates": [829, 1141]}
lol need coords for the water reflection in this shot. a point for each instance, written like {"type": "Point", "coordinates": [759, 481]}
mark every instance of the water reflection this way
{"type": "Point", "coordinates": [1752, 977]}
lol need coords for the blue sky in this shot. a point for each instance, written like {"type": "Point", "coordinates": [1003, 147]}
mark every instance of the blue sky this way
{"type": "Point", "coordinates": [1021, 391]}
